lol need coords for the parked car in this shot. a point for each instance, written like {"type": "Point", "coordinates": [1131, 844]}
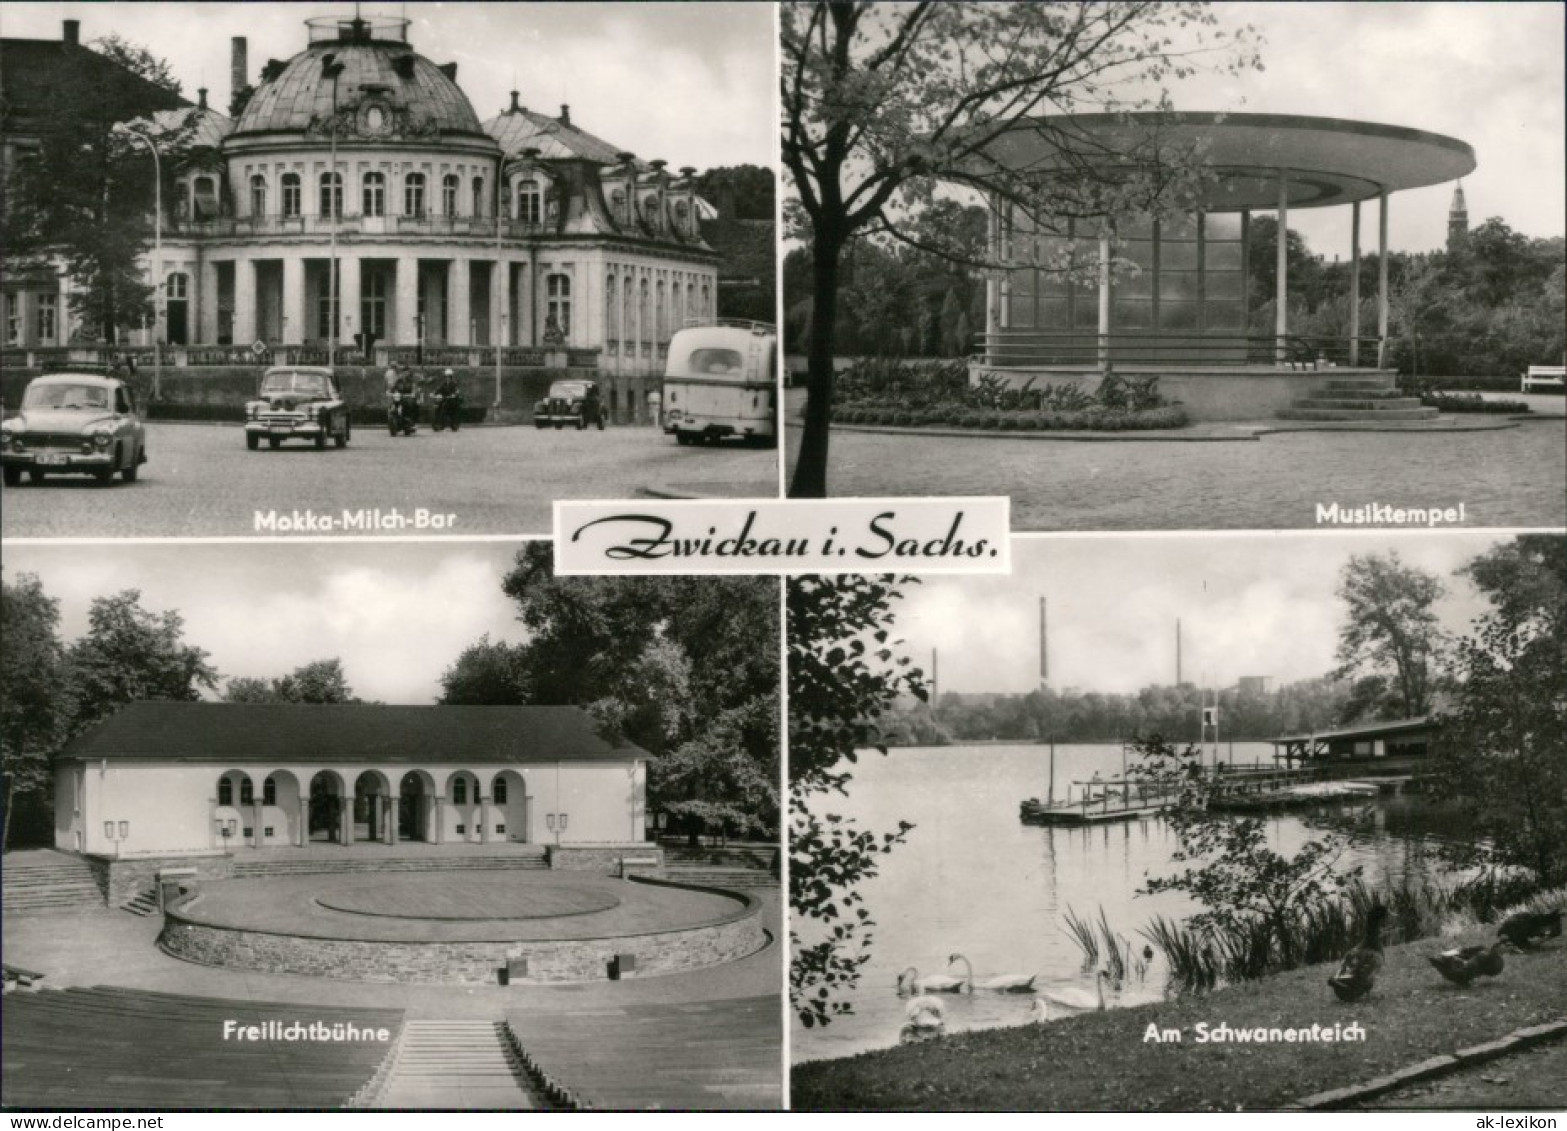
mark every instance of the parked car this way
{"type": "Point", "coordinates": [576, 403]}
{"type": "Point", "coordinates": [74, 424]}
{"type": "Point", "coordinates": [297, 402]}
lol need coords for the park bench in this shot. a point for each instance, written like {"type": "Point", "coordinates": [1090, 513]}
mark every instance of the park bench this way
{"type": "Point", "coordinates": [1550, 376]}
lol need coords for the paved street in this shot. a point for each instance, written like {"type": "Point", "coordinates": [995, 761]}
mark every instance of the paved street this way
{"type": "Point", "coordinates": [201, 482]}
{"type": "Point", "coordinates": [1509, 477]}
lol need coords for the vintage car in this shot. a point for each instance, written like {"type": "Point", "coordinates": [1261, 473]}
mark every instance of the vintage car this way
{"type": "Point", "coordinates": [74, 424]}
{"type": "Point", "coordinates": [296, 402]}
{"type": "Point", "coordinates": [573, 402]}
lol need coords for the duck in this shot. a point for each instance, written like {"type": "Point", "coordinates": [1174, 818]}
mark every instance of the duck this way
{"type": "Point", "coordinates": [1526, 928]}
{"type": "Point", "coordinates": [911, 982]}
{"type": "Point", "coordinates": [925, 1017]}
{"type": "Point", "coordinates": [1081, 1001]}
{"type": "Point", "coordinates": [1358, 972]}
{"type": "Point", "coordinates": [1001, 983]}
{"type": "Point", "coordinates": [1462, 966]}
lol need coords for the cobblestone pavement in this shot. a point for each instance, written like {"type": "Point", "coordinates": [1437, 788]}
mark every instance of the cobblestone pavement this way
{"type": "Point", "coordinates": [201, 482]}
{"type": "Point", "coordinates": [1513, 477]}
{"type": "Point", "coordinates": [1534, 1078]}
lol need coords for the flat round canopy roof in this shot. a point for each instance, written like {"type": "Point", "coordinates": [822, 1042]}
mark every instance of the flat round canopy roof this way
{"type": "Point", "coordinates": [1328, 160]}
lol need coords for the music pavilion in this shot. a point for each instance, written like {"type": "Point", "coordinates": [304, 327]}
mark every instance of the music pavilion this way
{"type": "Point", "coordinates": [1182, 312]}
{"type": "Point", "coordinates": [166, 778]}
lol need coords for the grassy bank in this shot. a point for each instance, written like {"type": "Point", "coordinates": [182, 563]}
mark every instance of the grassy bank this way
{"type": "Point", "coordinates": [1101, 1062]}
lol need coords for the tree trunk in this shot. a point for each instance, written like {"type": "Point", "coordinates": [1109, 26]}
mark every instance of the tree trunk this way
{"type": "Point", "coordinates": [810, 469]}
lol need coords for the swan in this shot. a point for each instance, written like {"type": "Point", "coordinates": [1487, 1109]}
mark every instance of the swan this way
{"type": "Point", "coordinates": [925, 1019]}
{"type": "Point", "coordinates": [1038, 1011]}
{"type": "Point", "coordinates": [1081, 1000]}
{"type": "Point", "coordinates": [1001, 983]}
{"type": "Point", "coordinates": [934, 984]}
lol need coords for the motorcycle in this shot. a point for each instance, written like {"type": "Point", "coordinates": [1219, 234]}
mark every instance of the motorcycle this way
{"type": "Point", "coordinates": [447, 412]}
{"type": "Point", "coordinates": [402, 414]}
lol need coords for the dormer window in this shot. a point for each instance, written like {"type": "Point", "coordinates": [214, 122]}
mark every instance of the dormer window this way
{"type": "Point", "coordinates": [530, 207]}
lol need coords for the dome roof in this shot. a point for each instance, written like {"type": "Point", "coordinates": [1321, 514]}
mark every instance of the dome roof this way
{"type": "Point", "coordinates": [418, 98]}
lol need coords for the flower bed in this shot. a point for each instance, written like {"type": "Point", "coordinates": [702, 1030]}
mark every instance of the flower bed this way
{"type": "Point", "coordinates": [892, 393]}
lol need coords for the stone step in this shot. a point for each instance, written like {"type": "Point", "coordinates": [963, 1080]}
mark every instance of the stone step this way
{"type": "Point", "coordinates": [721, 877]}
{"type": "Point", "coordinates": [1341, 414]}
{"type": "Point", "coordinates": [455, 1064]}
{"type": "Point", "coordinates": [253, 868]}
{"type": "Point", "coordinates": [144, 903]}
{"type": "Point", "coordinates": [1387, 382]}
{"type": "Point", "coordinates": [1366, 393]}
{"type": "Point", "coordinates": [1383, 404]}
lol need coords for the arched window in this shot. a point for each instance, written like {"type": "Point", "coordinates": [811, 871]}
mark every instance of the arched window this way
{"type": "Point", "coordinates": [269, 792]}
{"type": "Point", "coordinates": [290, 194]}
{"type": "Point", "coordinates": [460, 791]}
{"type": "Point", "coordinates": [258, 196]}
{"type": "Point", "coordinates": [247, 792]}
{"type": "Point", "coordinates": [177, 286]}
{"type": "Point", "coordinates": [707, 306]}
{"type": "Point", "coordinates": [611, 309]}
{"type": "Point", "coordinates": [675, 309]}
{"type": "Point", "coordinates": [645, 311]}
{"type": "Point", "coordinates": [225, 791]}
{"type": "Point", "coordinates": [375, 194]}
{"type": "Point", "coordinates": [530, 208]}
{"type": "Point", "coordinates": [478, 196]}
{"type": "Point", "coordinates": [558, 308]}
{"type": "Point", "coordinates": [498, 791]}
{"type": "Point", "coordinates": [331, 194]}
{"type": "Point", "coordinates": [449, 194]}
{"type": "Point", "coordinates": [413, 194]}
{"type": "Point", "coordinates": [662, 315]}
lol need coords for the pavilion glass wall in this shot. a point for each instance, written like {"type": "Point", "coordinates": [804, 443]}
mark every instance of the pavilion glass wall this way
{"type": "Point", "coordinates": [1179, 279]}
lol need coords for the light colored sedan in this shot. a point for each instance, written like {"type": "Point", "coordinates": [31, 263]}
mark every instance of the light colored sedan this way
{"type": "Point", "coordinates": [74, 424]}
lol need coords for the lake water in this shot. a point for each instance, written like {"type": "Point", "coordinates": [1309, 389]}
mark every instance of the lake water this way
{"type": "Point", "coordinates": [973, 879]}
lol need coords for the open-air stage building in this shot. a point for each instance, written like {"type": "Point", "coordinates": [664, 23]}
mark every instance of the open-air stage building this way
{"type": "Point", "coordinates": [1169, 296]}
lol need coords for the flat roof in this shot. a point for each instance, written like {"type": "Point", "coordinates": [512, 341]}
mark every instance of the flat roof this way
{"type": "Point", "coordinates": [335, 733]}
{"type": "Point", "coordinates": [1330, 161]}
{"type": "Point", "coordinates": [1363, 730]}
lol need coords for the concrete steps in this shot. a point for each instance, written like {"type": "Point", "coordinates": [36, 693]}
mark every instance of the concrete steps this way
{"type": "Point", "coordinates": [731, 878]}
{"type": "Point", "coordinates": [143, 903]}
{"type": "Point", "coordinates": [250, 869]}
{"type": "Point", "coordinates": [1372, 399]}
{"type": "Point", "coordinates": [47, 881]}
{"type": "Point", "coordinates": [456, 1065]}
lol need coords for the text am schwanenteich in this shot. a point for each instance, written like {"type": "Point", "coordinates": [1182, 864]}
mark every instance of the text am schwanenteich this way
{"type": "Point", "coordinates": [650, 536]}
{"type": "Point", "coordinates": [1226, 1034]}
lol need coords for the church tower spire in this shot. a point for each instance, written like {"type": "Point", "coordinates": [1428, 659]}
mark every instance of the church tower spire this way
{"type": "Point", "coordinates": [1457, 219]}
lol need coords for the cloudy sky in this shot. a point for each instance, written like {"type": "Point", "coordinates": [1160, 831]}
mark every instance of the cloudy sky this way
{"type": "Point", "coordinates": [1489, 74]}
{"type": "Point", "coordinates": [396, 614]}
{"type": "Point", "coordinates": [690, 83]}
{"type": "Point", "coordinates": [1253, 604]}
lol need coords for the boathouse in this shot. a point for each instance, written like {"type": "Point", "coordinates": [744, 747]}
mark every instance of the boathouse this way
{"type": "Point", "coordinates": [1381, 745]}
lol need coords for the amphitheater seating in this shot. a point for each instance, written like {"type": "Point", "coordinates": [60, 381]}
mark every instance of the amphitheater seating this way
{"type": "Point", "coordinates": [108, 1047]}
{"type": "Point", "coordinates": [696, 1055]}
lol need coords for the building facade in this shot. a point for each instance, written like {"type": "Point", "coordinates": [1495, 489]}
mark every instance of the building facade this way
{"type": "Point", "coordinates": [520, 232]}
{"type": "Point", "coordinates": [165, 778]}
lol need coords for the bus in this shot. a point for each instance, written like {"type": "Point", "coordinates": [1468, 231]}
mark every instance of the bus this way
{"type": "Point", "coordinates": [721, 381]}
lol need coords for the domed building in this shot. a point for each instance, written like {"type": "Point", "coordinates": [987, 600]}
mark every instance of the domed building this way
{"type": "Point", "coordinates": [452, 236]}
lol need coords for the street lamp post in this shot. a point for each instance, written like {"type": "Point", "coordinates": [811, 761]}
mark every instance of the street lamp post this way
{"type": "Point", "coordinates": [332, 69]}
{"type": "Point", "coordinates": [158, 303]}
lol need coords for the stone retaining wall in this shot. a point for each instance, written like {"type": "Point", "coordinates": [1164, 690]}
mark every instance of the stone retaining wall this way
{"type": "Point", "coordinates": [120, 880]}
{"type": "Point", "coordinates": [604, 858]}
{"type": "Point", "coordinates": [468, 963]}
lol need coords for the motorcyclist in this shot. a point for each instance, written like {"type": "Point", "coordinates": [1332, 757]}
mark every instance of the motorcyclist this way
{"type": "Point", "coordinates": [407, 392]}
{"type": "Point", "coordinates": [448, 400]}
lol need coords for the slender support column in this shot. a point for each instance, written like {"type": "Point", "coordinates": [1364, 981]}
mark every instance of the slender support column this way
{"type": "Point", "coordinates": [260, 830]}
{"type": "Point", "coordinates": [346, 821]}
{"type": "Point", "coordinates": [302, 817]}
{"type": "Point", "coordinates": [458, 279]}
{"type": "Point", "coordinates": [294, 324]}
{"type": "Point", "coordinates": [392, 807]}
{"type": "Point", "coordinates": [1354, 284]}
{"type": "Point", "coordinates": [1382, 309]}
{"type": "Point", "coordinates": [244, 301]}
{"type": "Point", "coordinates": [347, 299]}
{"type": "Point", "coordinates": [1281, 314]}
{"type": "Point", "coordinates": [1104, 299]}
{"type": "Point", "coordinates": [482, 812]}
{"type": "Point", "coordinates": [407, 304]}
{"type": "Point", "coordinates": [438, 824]}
